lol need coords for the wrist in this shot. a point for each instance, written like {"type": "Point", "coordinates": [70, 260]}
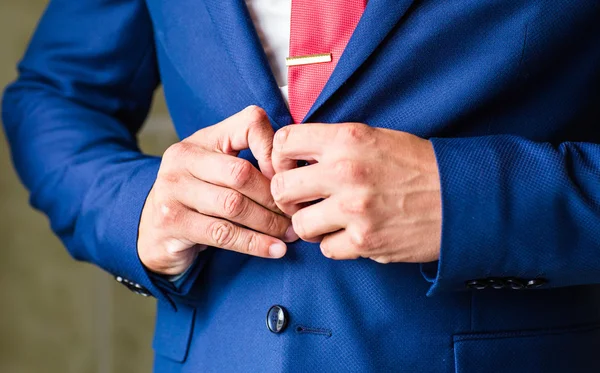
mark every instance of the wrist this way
{"type": "Point", "coordinates": [433, 200]}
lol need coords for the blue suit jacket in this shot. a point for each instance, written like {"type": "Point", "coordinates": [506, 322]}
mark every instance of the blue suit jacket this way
{"type": "Point", "coordinates": [508, 91]}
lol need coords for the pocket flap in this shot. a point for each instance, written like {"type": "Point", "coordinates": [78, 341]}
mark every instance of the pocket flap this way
{"type": "Point", "coordinates": [556, 350]}
{"type": "Point", "coordinates": [173, 331]}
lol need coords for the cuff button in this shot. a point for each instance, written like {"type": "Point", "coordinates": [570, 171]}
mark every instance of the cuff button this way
{"type": "Point", "coordinates": [514, 283]}
{"type": "Point", "coordinates": [496, 283]}
{"type": "Point", "coordinates": [477, 284]}
{"type": "Point", "coordinates": [536, 283]}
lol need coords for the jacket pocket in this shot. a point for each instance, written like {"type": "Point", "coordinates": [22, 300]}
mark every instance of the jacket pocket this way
{"type": "Point", "coordinates": [572, 350]}
{"type": "Point", "coordinates": [173, 331]}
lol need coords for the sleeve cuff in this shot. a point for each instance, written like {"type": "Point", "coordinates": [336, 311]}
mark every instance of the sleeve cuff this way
{"type": "Point", "coordinates": [476, 176]}
{"type": "Point", "coordinates": [181, 287]}
{"type": "Point", "coordinates": [470, 215]}
{"type": "Point", "coordinates": [124, 224]}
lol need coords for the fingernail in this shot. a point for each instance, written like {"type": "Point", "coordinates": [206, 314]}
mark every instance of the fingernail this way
{"type": "Point", "coordinates": [277, 250]}
{"type": "Point", "coordinates": [290, 234]}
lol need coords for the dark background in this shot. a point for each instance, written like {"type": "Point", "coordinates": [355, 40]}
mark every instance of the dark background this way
{"type": "Point", "coordinates": [58, 315]}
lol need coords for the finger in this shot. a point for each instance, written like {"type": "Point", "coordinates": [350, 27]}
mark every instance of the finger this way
{"type": "Point", "coordinates": [339, 246]}
{"type": "Point", "coordinates": [234, 173]}
{"type": "Point", "coordinates": [300, 142]}
{"type": "Point", "coordinates": [319, 219]}
{"type": "Point", "coordinates": [260, 141]}
{"type": "Point", "coordinates": [291, 189]}
{"type": "Point", "coordinates": [220, 202]}
{"type": "Point", "coordinates": [207, 230]}
{"type": "Point", "coordinates": [249, 128]}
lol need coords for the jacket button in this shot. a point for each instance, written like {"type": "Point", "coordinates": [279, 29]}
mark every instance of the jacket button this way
{"type": "Point", "coordinates": [536, 283]}
{"type": "Point", "coordinates": [277, 319]}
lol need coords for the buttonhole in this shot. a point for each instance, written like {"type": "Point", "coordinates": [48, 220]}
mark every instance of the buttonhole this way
{"type": "Point", "coordinates": [301, 329]}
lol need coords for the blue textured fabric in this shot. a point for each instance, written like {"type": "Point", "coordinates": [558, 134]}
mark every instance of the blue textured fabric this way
{"type": "Point", "coordinates": [507, 91]}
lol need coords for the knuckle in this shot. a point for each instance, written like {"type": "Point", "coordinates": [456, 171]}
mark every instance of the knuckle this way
{"type": "Point", "coordinates": [221, 233]}
{"type": "Point", "coordinates": [274, 224]}
{"type": "Point", "coordinates": [169, 214]}
{"type": "Point", "coordinates": [357, 242]}
{"type": "Point", "coordinates": [170, 179]}
{"type": "Point", "coordinates": [299, 228]}
{"type": "Point", "coordinates": [240, 173]}
{"type": "Point", "coordinates": [233, 204]}
{"type": "Point", "coordinates": [177, 151]}
{"type": "Point", "coordinates": [171, 249]}
{"type": "Point", "coordinates": [280, 138]}
{"type": "Point", "coordinates": [251, 245]}
{"type": "Point", "coordinates": [353, 133]}
{"type": "Point", "coordinates": [171, 152]}
{"type": "Point", "coordinates": [347, 169]}
{"type": "Point", "coordinates": [255, 115]}
{"type": "Point", "coordinates": [360, 205]}
{"type": "Point", "coordinates": [360, 238]}
{"type": "Point", "coordinates": [327, 251]}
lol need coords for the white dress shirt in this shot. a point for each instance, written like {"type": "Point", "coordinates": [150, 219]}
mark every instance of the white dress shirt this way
{"type": "Point", "coordinates": [271, 19]}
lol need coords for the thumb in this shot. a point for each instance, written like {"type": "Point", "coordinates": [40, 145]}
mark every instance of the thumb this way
{"type": "Point", "coordinates": [247, 129]}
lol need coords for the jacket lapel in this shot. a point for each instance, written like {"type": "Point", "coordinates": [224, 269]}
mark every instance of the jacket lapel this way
{"type": "Point", "coordinates": [236, 30]}
{"type": "Point", "coordinates": [239, 37]}
{"type": "Point", "coordinates": [377, 21]}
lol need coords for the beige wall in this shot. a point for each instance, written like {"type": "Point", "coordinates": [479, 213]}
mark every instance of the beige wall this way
{"type": "Point", "coordinates": [59, 315]}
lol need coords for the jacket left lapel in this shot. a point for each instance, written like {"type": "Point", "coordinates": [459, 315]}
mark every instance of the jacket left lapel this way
{"type": "Point", "coordinates": [378, 19]}
{"type": "Point", "coordinates": [237, 32]}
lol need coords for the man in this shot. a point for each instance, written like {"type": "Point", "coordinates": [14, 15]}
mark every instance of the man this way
{"type": "Point", "coordinates": [444, 182]}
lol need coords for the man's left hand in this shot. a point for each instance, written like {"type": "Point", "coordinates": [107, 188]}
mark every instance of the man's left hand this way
{"type": "Point", "coordinates": [367, 192]}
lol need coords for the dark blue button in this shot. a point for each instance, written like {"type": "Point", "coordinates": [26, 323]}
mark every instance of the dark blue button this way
{"type": "Point", "coordinates": [536, 283]}
{"type": "Point", "coordinates": [514, 283]}
{"type": "Point", "coordinates": [496, 283]}
{"type": "Point", "coordinates": [277, 319]}
{"type": "Point", "coordinates": [479, 284]}
{"type": "Point", "coordinates": [136, 288]}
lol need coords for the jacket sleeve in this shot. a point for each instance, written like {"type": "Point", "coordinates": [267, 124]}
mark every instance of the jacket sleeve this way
{"type": "Point", "coordinates": [85, 86]}
{"type": "Point", "coordinates": [514, 208]}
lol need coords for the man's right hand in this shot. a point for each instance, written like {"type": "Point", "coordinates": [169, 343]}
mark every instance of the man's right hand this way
{"type": "Point", "coordinates": [204, 195]}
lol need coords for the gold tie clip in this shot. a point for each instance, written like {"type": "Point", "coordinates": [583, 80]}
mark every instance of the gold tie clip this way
{"type": "Point", "coordinates": [308, 59]}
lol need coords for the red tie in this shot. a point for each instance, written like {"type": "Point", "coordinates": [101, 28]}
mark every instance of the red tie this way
{"type": "Point", "coordinates": [318, 27]}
